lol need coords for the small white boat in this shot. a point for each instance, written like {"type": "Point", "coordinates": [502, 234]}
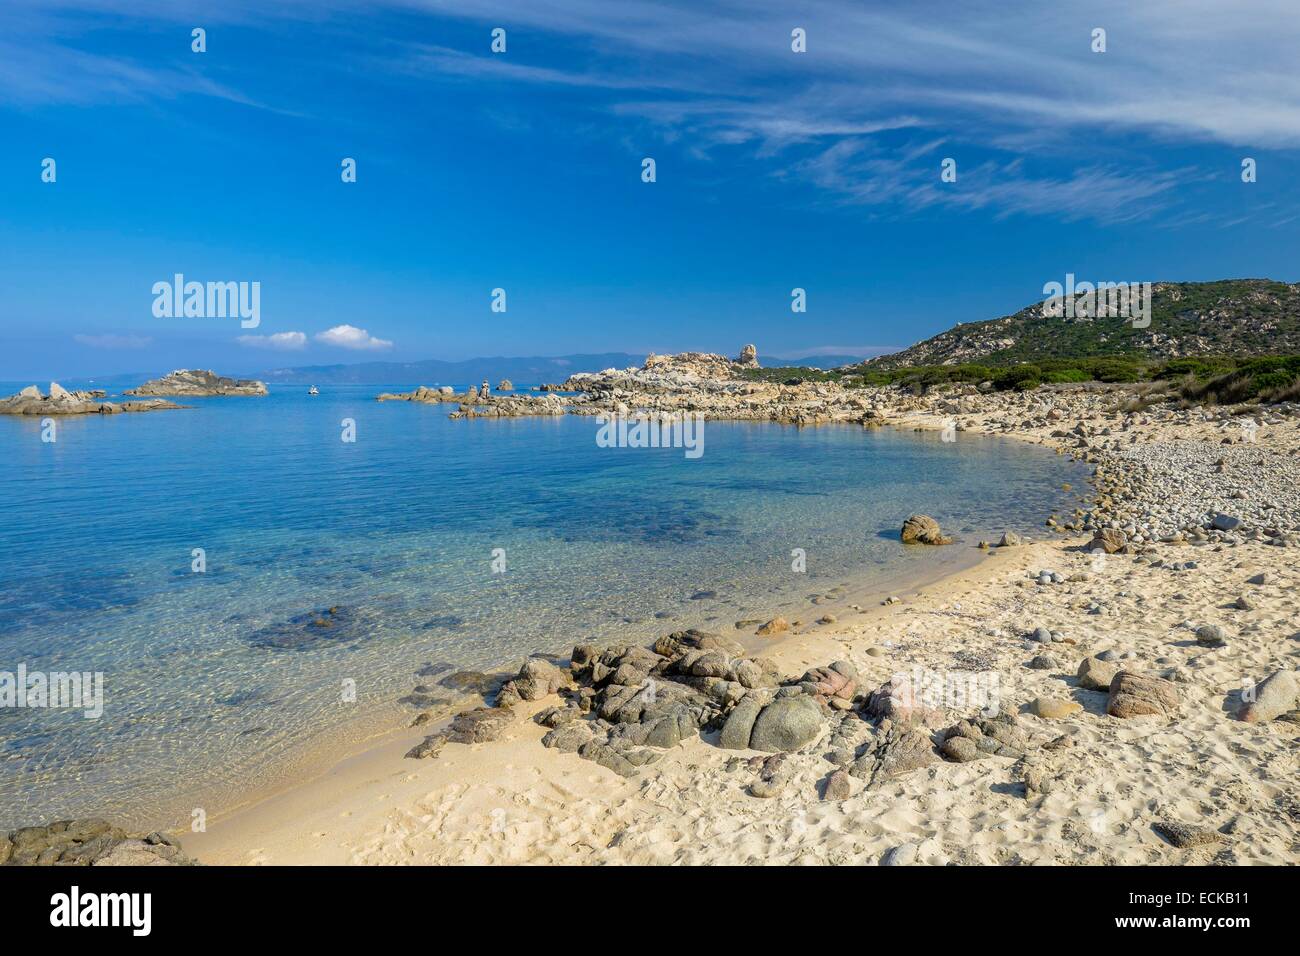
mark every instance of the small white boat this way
{"type": "Point", "coordinates": [313, 390]}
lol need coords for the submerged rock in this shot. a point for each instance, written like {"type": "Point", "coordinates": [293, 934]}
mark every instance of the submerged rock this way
{"type": "Point", "coordinates": [334, 625]}
{"type": "Point", "coordinates": [922, 529]}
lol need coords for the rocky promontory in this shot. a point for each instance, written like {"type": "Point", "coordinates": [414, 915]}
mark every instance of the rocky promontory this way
{"type": "Point", "coordinates": [60, 401]}
{"type": "Point", "coordinates": [198, 383]}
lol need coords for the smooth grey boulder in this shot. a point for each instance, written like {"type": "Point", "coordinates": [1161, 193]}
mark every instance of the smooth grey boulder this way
{"type": "Point", "coordinates": [786, 724]}
{"type": "Point", "coordinates": [740, 724]}
{"type": "Point", "coordinates": [1222, 522]}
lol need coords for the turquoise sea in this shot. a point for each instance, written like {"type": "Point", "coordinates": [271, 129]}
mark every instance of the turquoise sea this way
{"type": "Point", "coordinates": [214, 680]}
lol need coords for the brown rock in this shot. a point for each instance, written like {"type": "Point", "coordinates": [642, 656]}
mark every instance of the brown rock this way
{"type": "Point", "coordinates": [1054, 708]}
{"type": "Point", "coordinates": [480, 725]}
{"type": "Point", "coordinates": [837, 786]}
{"type": "Point", "coordinates": [1185, 836]}
{"type": "Point", "coordinates": [1134, 695]}
{"type": "Point", "coordinates": [1109, 540]}
{"type": "Point", "coordinates": [1096, 674]}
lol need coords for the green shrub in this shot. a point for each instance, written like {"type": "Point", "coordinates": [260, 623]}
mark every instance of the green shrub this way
{"type": "Point", "coordinates": [1018, 377]}
{"type": "Point", "coordinates": [1063, 376]}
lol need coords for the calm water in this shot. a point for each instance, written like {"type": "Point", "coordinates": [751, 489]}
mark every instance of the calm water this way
{"type": "Point", "coordinates": [209, 682]}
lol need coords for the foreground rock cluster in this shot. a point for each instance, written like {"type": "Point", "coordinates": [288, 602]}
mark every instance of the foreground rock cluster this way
{"type": "Point", "coordinates": [624, 707]}
{"type": "Point", "coordinates": [88, 842]}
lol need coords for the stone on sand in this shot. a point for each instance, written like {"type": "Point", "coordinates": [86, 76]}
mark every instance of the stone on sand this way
{"type": "Point", "coordinates": [1273, 697]}
{"type": "Point", "coordinates": [1136, 695]}
{"type": "Point", "coordinates": [1055, 708]}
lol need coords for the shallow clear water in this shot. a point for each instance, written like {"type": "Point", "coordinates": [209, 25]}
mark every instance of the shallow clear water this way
{"type": "Point", "coordinates": [206, 689]}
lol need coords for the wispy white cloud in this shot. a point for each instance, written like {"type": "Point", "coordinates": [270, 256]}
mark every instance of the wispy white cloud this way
{"type": "Point", "coordinates": [863, 173]}
{"type": "Point", "coordinates": [1030, 65]}
{"type": "Point", "coordinates": [351, 337]}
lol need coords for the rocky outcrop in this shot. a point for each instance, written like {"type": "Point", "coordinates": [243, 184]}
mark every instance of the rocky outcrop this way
{"type": "Point", "coordinates": [1001, 736]}
{"type": "Point", "coordinates": [538, 678]}
{"type": "Point", "coordinates": [896, 701]}
{"type": "Point", "coordinates": [922, 529]}
{"type": "Point", "coordinates": [60, 401]}
{"type": "Point", "coordinates": [89, 842]}
{"type": "Point", "coordinates": [505, 385]}
{"type": "Point", "coordinates": [198, 383]}
{"type": "Point", "coordinates": [486, 405]}
{"type": "Point", "coordinates": [428, 396]}
{"type": "Point", "coordinates": [667, 374]}
{"type": "Point", "coordinates": [623, 706]}
{"type": "Point", "coordinates": [481, 403]}
{"type": "Point", "coordinates": [894, 750]}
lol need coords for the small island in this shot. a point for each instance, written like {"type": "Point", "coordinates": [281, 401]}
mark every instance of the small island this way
{"type": "Point", "coordinates": [60, 401]}
{"type": "Point", "coordinates": [198, 383]}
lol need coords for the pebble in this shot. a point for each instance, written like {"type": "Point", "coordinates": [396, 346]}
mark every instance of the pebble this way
{"type": "Point", "coordinates": [1211, 635]}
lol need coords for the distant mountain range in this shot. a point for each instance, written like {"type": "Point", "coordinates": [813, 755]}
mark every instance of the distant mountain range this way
{"type": "Point", "coordinates": [521, 371]}
{"type": "Point", "coordinates": [1236, 317]}
{"type": "Point", "coordinates": [530, 371]}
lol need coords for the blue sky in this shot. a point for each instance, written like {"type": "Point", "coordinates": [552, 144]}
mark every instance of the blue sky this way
{"type": "Point", "coordinates": [521, 170]}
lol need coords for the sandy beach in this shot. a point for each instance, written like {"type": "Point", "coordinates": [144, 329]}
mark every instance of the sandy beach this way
{"type": "Point", "coordinates": [1086, 787]}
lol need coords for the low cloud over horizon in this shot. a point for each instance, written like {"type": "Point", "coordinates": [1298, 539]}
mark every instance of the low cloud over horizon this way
{"type": "Point", "coordinates": [351, 337]}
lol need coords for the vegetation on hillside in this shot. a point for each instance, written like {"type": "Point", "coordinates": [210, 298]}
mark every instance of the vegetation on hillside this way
{"type": "Point", "coordinates": [1231, 317]}
{"type": "Point", "coordinates": [1201, 380]}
